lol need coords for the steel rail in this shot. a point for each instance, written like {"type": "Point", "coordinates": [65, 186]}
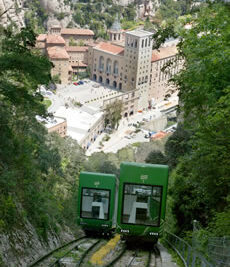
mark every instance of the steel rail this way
{"type": "Point", "coordinates": [157, 257]}
{"type": "Point", "coordinates": [149, 259]}
{"type": "Point", "coordinates": [52, 251]}
{"type": "Point", "coordinates": [63, 256]}
{"type": "Point", "coordinates": [86, 252]}
{"type": "Point", "coordinates": [117, 258]}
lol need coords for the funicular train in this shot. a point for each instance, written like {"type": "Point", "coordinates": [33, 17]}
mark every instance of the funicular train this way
{"type": "Point", "coordinates": [133, 205]}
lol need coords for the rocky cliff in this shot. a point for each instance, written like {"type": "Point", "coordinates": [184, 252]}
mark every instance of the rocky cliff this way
{"type": "Point", "coordinates": [23, 245]}
{"type": "Point", "coordinates": [11, 11]}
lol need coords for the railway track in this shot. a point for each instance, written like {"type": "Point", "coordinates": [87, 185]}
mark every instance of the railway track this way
{"type": "Point", "coordinates": [47, 257]}
{"type": "Point", "coordinates": [77, 253]}
{"type": "Point", "coordinates": [138, 258]}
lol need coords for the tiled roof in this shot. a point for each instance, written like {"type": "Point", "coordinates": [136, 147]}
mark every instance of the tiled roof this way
{"type": "Point", "coordinates": [54, 39]}
{"type": "Point", "coordinates": [155, 57]}
{"type": "Point", "coordinates": [107, 47]}
{"type": "Point", "coordinates": [76, 31]}
{"type": "Point", "coordinates": [57, 52]}
{"type": "Point", "coordinates": [76, 48]}
{"type": "Point", "coordinates": [41, 37]}
{"type": "Point", "coordinates": [79, 64]}
{"type": "Point", "coordinates": [164, 52]}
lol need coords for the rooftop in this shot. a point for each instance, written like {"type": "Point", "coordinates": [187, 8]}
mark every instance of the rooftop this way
{"type": "Point", "coordinates": [41, 37]}
{"type": "Point", "coordinates": [76, 31]}
{"type": "Point", "coordinates": [76, 48]}
{"type": "Point", "coordinates": [164, 52]}
{"type": "Point", "coordinates": [54, 39]}
{"type": "Point", "coordinates": [111, 48]}
{"type": "Point", "coordinates": [116, 24]}
{"type": "Point", "coordinates": [57, 52]}
{"type": "Point", "coordinates": [79, 64]}
{"type": "Point", "coordinates": [51, 122]}
{"type": "Point", "coordinates": [79, 121]}
{"type": "Point", "coordinates": [140, 33]}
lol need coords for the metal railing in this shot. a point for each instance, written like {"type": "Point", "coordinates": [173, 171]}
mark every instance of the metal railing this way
{"type": "Point", "coordinates": [189, 256]}
{"type": "Point", "coordinates": [219, 251]}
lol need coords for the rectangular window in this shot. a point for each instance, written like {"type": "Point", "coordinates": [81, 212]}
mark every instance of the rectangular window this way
{"type": "Point", "coordinates": [95, 203]}
{"type": "Point", "coordinates": [141, 204]}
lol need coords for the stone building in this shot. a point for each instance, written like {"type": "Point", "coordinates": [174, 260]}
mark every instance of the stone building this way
{"type": "Point", "coordinates": [58, 125]}
{"type": "Point", "coordinates": [60, 59]}
{"type": "Point", "coordinates": [67, 60]}
{"type": "Point", "coordinates": [124, 68]}
{"type": "Point", "coordinates": [76, 35]}
{"type": "Point", "coordinates": [84, 124]}
{"type": "Point", "coordinates": [159, 85]}
{"type": "Point", "coordinates": [129, 100]}
{"type": "Point", "coordinates": [78, 58]}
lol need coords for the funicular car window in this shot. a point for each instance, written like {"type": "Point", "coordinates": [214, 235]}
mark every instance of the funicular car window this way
{"type": "Point", "coordinates": [141, 204]}
{"type": "Point", "coordinates": [95, 203]}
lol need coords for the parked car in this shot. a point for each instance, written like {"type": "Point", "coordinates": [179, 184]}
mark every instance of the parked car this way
{"type": "Point", "coordinates": [80, 82]}
{"type": "Point", "coordinates": [76, 83]}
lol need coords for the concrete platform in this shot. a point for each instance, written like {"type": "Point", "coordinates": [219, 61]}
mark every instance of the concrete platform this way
{"type": "Point", "coordinates": [166, 258]}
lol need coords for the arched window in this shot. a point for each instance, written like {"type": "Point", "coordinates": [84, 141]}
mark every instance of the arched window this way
{"type": "Point", "coordinates": [146, 40]}
{"type": "Point", "coordinates": [120, 86]}
{"type": "Point", "coordinates": [101, 63]}
{"type": "Point", "coordinates": [142, 44]}
{"type": "Point", "coordinates": [115, 67]}
{"type": "Point", "coordinates": [108, 65]}
{"type": "Point", "coordinates": [114, 84]}
{"type": "Point", "coordinates": [94, 77]}
{"type": "Point", "coordinates": [149, 41]}
{"type": "Point", "coordinates": [100, 79]}
{"type": "Point", "coordinates": [135, 43]}
{"type": "Point", "coordinates": [107, 81]}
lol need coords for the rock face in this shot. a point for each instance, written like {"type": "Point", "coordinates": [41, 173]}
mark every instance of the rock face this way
{"type": "Point", "coordinates": [14, 13]}
{"type": "Point", "coordinates": [23, 246]}
{"type": "Point", "coordinates": [54, 7]}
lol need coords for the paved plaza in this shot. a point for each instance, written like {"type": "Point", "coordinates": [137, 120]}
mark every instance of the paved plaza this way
{"type": "Point", "coordinates": [91, 95]}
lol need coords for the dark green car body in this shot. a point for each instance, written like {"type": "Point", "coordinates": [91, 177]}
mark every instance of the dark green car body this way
{"type": "Point", "coordinates": [142, 201]}
{"type": "Point", "coordinates": [97, 202]}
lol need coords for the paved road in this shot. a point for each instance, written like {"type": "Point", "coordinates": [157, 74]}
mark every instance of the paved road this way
{"type": "Point", "coordinates": [118, 139]}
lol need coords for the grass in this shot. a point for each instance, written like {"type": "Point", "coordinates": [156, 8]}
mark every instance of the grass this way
{"type": "Point", "coordinates": [137, 144]}
{"type": "Point", "coordinates": [47, 102]}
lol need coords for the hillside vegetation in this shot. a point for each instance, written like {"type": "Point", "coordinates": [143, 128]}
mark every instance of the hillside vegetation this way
{"type": "Point", "coordinates": [39, 171]}
{"type": "Point", "coordinates": [198, 152]}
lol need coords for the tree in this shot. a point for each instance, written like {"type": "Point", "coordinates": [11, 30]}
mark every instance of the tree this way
{"type": "Point", "coordinates": [200, 181]}
{"type": "Point", "coordinates": [156, 157]}
{"type": "Point", "coordinates": [113, 113]}
{"type": "Point", "coordinates": [177, 146]}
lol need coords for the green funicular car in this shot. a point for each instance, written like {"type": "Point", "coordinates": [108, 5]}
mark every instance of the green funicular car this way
{"type": "Point", "coordinates": [97, 203]}
{"type": "Point", "coordinates": [142, 201]}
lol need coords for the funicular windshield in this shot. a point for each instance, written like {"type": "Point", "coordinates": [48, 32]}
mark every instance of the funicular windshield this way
{"type": "Point", "coordinates": [141, 204]}
{"type": "Point", "coordinates": [95, 203]}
